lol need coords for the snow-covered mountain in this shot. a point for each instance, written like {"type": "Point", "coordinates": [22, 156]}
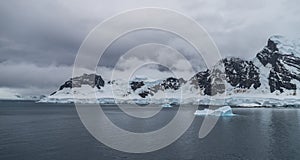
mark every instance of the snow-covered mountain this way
{"type": "Point", "coordinates": [272, 78]}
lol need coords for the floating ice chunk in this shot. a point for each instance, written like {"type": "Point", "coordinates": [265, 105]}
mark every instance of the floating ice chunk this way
{"type": "Point", "coordinates": [166, 105]}
{"type": "Point", "coordinates": [249, 105]}
{"type": "Point", "coordinates": [203, 112]}
{"type": "Point", "coordinates": [106, 101]}
{"type": "Point", "coordinates": [223, 111]}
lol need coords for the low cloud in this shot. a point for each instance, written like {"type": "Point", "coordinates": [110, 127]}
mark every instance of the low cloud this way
{"type": "Point", "coordinates": [30, 76]}
{"type": "Point", "coordinates": [30, 79]}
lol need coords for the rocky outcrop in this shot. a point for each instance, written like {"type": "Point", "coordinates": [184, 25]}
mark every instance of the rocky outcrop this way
{"type": "Point", "coordinates": [284, 64]}
{"type": "Point", "coordinates": [92, 80]}
{"type": "Point", "coordinates": [241, 73]}
{"type": "Point", "coordinates": [136, 85]}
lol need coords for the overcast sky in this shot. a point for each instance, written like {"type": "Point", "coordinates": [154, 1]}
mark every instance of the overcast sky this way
{"type": "Point", "coordinates": [40, 39]}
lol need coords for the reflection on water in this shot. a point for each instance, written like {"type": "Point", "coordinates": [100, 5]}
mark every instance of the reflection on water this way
{"type": "Point", "coordinates": [54, 131]}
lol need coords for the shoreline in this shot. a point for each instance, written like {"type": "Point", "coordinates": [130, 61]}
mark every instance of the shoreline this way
{"type": "Point", "coordinates": [153, 104]}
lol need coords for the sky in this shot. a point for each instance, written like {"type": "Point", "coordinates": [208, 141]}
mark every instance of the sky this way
{"type": "Point", "coordinates": [39, 39]}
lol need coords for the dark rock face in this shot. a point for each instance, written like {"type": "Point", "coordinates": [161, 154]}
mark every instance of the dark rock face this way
{"type": "Point", "coordinates": [216, 84]}
{"type": "Point", "coordinates": [210, 82]}
{"type": "Point", "coordinates": [135, 85]}
{"type": "Point", "coordinates": [111, 82]}
{"type": "Point", "coordinates": [53, 93]}
{"type": "Point", "coordinates": [169, 83]}
{"type": "Point", "coordinates": [241, 73]}
{"type": "Point", "coordinates": [278, 81]}
{"type": "Point", "coordinates": [214, 88]}
{"type": "Point", "coordinates": [86, 79]}
{"type": "Point", "coordinates": [144, 94]}
{"type": "Point", "coordinates": [67, 84]}
{"type": "Point", "coordinates": [201, 79]}
{"type": "Point", "coordinates": [269, 54]}
{"type": "Point", "coordinates": [172, 83]}
{"type": "Point", "coordinates": [279, 77]}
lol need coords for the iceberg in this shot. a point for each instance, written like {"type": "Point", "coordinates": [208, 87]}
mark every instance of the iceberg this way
{"type": "Point", "coordinates": [222, 111]}
{"type": "Point", "coordinates": [166, 106]}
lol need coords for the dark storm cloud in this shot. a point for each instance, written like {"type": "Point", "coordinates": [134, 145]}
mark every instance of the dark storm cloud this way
{"type": "Point", "coordinates": [42, 37]}
{"type": "Point", "coordinates": [40, 32]}
{"type": "Point", "coordinates": [51, 31]}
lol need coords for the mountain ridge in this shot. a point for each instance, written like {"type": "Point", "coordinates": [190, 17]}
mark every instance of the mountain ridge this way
{"type": "Point", "coordinates": [275, 70]}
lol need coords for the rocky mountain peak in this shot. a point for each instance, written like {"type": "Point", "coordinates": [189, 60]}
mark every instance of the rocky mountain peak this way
{"type": "Point", "coordinates": [92, 80]}
{"type": "Point", "coordinates": [281, 54]}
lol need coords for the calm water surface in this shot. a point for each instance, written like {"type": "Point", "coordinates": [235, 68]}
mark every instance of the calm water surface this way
{"type": "Point", "coordinates": [30, 131]}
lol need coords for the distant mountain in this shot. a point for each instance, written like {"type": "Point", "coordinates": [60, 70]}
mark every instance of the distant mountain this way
{"type": "Point", "coordinates": [22, 98]}
{"type": "Point", "coordinates": [272, 78]}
